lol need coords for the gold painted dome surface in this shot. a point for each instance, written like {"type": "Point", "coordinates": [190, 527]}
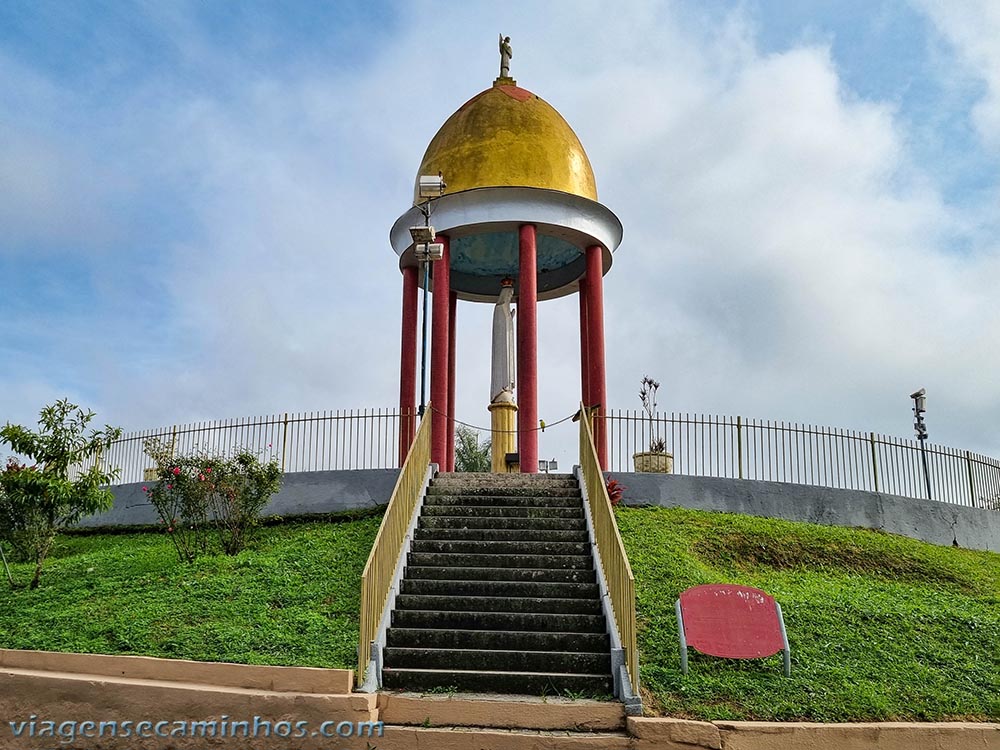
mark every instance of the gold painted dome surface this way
{"type": "Point", "coordinates": [507, 136]}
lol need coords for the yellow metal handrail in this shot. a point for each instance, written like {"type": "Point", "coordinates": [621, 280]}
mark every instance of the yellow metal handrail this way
{"type": "Point", "coordinates": [376, 580]}
{"type": "Point", "coordinates": [614, 562]}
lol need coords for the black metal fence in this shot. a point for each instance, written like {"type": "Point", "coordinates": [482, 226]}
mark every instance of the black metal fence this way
{"type": "Point", "coordinates": [738, 448]}
{"type": "Point", "coordinates": [309, 441]}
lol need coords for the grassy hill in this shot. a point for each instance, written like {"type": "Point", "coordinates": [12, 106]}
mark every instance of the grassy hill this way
{"type": "Point", "coordinates": [881, 627]}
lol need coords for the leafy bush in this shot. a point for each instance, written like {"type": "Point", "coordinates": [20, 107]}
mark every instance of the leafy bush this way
{"type": "Point", "coordinates": [470, 454]}
{"type": "Point", "coordinates": [38, 501]}
{"type": "Point", "coordinates": [201, 497]}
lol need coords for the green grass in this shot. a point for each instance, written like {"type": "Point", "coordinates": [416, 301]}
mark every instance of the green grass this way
{"type": "Point", "coordinates": [292, 599]}
{"type": "Point", "coordinates": [881, 627]}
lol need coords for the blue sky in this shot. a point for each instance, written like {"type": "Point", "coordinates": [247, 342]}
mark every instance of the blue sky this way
{"type": "Point", "coordinates": [197, 197]}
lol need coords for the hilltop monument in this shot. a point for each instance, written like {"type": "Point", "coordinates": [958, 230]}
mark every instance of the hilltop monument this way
{"type": "Point", "coordinates": [519, 222]}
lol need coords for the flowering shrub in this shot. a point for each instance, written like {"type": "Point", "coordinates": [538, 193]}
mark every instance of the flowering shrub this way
{"type": "Point", "coordinates": [615, 491]}
{"type": "Point", "coordinates": [39, 501]}
{"type": "Point", "coordinates": [22, 523]}
{"type": "Point", "coordinates": [207, 501]}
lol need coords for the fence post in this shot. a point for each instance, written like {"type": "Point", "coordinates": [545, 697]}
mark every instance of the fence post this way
{"type": "Point", "coordinates": [739, 443]}
{"type": "Point", "coordinates": [871, 439]}
{"type": "Point", "coordinates": [173, 441]}
{"type": "Point", "coordinates": [972, 485]}
{"type": "Point", "coordinates": [284, 442]}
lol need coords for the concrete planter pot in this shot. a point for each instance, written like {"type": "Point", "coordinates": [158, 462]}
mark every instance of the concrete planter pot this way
{"type": "Point", "coordinates": [653, 463]}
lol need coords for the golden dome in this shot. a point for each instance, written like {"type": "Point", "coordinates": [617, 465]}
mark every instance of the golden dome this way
{"type": "Point", "coordinates": [507, 136]}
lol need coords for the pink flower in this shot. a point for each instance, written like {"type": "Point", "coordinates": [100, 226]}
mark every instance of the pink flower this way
{"type": "Point", "coordinates": [170, 529]}
{"type": "Point", "coordinates": [145, 488]}
{"type": "Point", "coordinates": [208, 469]}
{"type": "Point", "coordinates": [176, 470]}
{"type": "Point", "coordinates": [201, 477]}
{"type": "Point", "coordinates": [170, 486]}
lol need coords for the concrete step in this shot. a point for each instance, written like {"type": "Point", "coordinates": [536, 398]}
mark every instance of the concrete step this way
{"type": "Point", "coordinates": [477, 547]}
{"type": "Point", "coordinates": [500, 588]}
{"type": "Point", "coordinates": [509, 480]}
{"type": "Point", "coordinates": [484, 573]}
{"type": "Point", "coordinates": [536, 683]}
{"type": "Point", "coordinates": [546, 604]}
{"type": "Point", "coordinates": [465, 737]}
{"type": "Point", "coordinates": [531, 621]}
{"type": "Point", "coordinates": [498, 661]}
{"type": "Point", "coordinates": [456, 559]}
{"type": "Point", "coordinates": [500, 522]}
{"type": "Point", "coordinates": [490, 511]}
{"type": "Point", "coordinates": [501, 535]}
{"type": "Point", "coordinates": [524, 501]}
{"type": "Point", "coordinates": [508, 640]}
{"type": "Point", "coordinates": [510, 712]}
{"type": "Point", "coordinates": [498, 490]}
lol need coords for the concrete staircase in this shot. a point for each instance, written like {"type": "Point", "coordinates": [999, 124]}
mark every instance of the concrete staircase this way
{"type": "Point", "coordinates": [500, 592]}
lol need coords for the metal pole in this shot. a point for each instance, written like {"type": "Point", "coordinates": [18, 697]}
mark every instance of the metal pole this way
{"type": "Point", "coordinates": [739, 444]}
{"type": "Point", "coordinates": [923, 458]}
{"type": "Point", "coordinates": [423, 351]}
{"type": "Point", "coordinates": [871, 438]}
{"type": "Point", "coordinates": [972, 484]}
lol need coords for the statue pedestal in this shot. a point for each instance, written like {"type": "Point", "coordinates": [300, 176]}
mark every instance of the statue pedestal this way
{"type": "Point", "coordinates": [503, 435]}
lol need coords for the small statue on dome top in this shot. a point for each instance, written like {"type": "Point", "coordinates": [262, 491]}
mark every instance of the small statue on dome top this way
{"type": "Point", "coordinates": [506, 53]}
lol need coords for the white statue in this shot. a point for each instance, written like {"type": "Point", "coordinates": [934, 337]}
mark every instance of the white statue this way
{"type": "Point", "coordinates": [506, 53]}
{"type": "Point", "coordinates": [502, 380]}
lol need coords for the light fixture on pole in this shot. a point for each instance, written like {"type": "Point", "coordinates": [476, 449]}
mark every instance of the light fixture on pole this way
{"type": "Point", "coordinates": [919, 407]}
{"type": "Point", "coordinates": [547, 466]}
{"type": "Point", "coordinates": [426, 252]}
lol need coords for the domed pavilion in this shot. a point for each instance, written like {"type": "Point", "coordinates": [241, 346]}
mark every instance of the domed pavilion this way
{"type": "Point", "coordinates": [520, 204]}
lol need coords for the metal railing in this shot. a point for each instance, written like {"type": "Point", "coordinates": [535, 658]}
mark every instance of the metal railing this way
{"type": "Point", "coordinates": [309, 441]}
{"type": "Point", "coordinates": [614, 562]}
{"type": "Point", "coordinates": [738, 448]}
{"type": "Point", "coordinates": [376, 580]}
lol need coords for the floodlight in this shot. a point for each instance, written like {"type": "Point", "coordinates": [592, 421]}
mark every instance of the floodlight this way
{"type": "Point", "coordinates": [431, 185]}
{"type": "Point", "coordinates": [422, 234]}
{"type": "Point", "coordinates": [553, 464]}
{"type": "Point", "coordinates": [432, 251]}
{"type": "Point", "coordinates": [919, 400]}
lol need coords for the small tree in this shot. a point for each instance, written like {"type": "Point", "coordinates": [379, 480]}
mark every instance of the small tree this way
{"type": "Point", "coordinates": [470, 455]}
{"type": "Point", "coordinates": [38, 501]}
{"type": "Point", "coordinates": [203, 495]}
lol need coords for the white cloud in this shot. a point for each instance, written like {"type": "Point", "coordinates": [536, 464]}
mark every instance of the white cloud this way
{"type": "Point", "coordinates": [973, 28]}
{"type": "Point", "coordinates": [783, 257]}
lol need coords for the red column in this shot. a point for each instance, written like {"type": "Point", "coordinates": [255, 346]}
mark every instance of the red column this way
{"type": "Point", "coordinates": [527, 351]}
{"type": "Point", "coordinates": [452, 309]}
{"type": "Point", "coordinates": [408, 364]}
{"type": "Point", "coordinates": [584, 345]}
{"type": "Point", "coordinates": [595, 325]}
{"type": "Point", "coordinates": [439, 357]}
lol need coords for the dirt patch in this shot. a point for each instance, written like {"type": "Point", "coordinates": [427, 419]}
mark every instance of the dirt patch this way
{"type": "Point", "coordinates": [791, 553]}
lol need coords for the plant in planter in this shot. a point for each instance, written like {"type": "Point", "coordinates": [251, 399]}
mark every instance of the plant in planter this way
{"type": "Point", "coordinates": [656, 459]}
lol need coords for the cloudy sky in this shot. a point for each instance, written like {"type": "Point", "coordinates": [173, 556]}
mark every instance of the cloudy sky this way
{"type": "Point", "coordinates": [195, 200]}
